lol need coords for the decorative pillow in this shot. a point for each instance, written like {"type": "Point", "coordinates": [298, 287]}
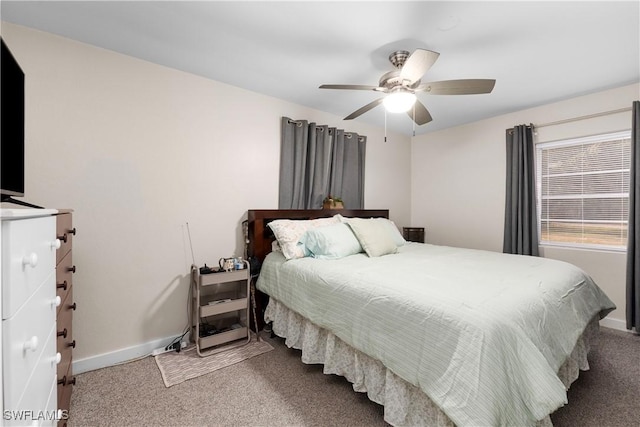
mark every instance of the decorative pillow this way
{"type": "Point", "coordinates": [288, 233]}
{"type": "Point", "coordinates": [331, 242]}
{"type": "Point", "coordinates": [374, 236]}
{"type": "Point", "coordinates": [393, 230]}
{"type": "Point", "coordinates": [395, 233]}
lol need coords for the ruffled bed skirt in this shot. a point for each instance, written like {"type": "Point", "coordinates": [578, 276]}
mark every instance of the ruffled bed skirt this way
{"type": "Point", "coordinates": [404, 404]}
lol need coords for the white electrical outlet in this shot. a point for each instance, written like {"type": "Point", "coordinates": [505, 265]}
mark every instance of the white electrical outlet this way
{"type": "Point", "coordinates": [167, 349]}
{"type": "Point", "coordinates": [160, 350]}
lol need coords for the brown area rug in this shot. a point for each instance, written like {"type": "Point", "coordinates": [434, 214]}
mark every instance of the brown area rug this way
{"type": "Point", "coordinates": [179, 367]}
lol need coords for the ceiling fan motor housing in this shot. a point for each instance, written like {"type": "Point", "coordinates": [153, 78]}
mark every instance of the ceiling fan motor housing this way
{"type": "Point", "coordinates": [392, 79]}
{"type": "Point", "coordinates": [398, 57]}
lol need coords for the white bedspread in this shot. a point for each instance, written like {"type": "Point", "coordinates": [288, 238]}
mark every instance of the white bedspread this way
{"type": "Point", "coordinates": [483, 334]}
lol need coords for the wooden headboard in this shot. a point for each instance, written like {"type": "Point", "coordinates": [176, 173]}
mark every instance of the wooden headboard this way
{"type": "Point", "coordinates": [261, 236]}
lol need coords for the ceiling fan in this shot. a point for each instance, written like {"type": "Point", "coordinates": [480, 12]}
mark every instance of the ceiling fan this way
{"type": "Point", "coordinates": [401, 85]}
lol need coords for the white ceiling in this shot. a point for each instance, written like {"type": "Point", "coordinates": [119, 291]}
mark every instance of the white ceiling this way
{"type": "Point", "coordinates": [539, 52]}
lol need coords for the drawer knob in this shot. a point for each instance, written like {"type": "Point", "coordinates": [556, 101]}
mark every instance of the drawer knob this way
{"type": "Point", "coordinates": [62, 333]}
{"type": "Point", "coordinates": [63, 381]}
{"type": "Point", "coordinates": [63, 237]}
{"type": "Point", "coordinates": [57, 301]}
{"type": "Point", "coordinates": [31, 260]}
{"type": "Point", "coordinates": [73, 231]}
{"type": "Point", "coordinates": [56, 244]}
{"type": "Point", "coordinates": [72, 381]}
{"type": "Point", "coordinates": [62, 285]}
{"type": "Point", "coordinates": [58, 358]}
{"type": "Point", "coordinates": [72, 269]}
{"type": "Point", "coordinates": [73, 306]}
{"type": "Point", "coordinates": [32, 344]}
{"type": "Point", "coordinates": [72, 344]}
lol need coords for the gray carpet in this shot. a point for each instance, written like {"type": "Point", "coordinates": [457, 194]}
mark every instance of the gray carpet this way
{"type": "Point", "coordinates": [608, 394]}
{"type": "Point", "coordinates": [277, 389]}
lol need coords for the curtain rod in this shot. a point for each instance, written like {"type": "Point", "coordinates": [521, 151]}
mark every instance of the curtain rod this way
{"type": "Point", "coordinates": [589, 116]}
{"type": "Point", "coordinates": [320, 128]}
{"type": "Point", "coordinates": [349, 135]}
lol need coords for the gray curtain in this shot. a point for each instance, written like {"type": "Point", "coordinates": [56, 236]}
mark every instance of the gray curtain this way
{"type": "Point", "coordinates": [520, 218]}
{"type": "Point", "coordinates": [347, 172]}
{"type": "Point", "coordinates": [316, 161]}
{"type": "Point", "coordinates": [633, 242]}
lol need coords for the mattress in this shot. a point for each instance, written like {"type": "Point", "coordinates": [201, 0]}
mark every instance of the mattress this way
{"type": "Point", "coordinates": [483, 335]}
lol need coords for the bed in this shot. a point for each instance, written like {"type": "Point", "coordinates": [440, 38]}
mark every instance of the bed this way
{"type": "Point", "coordinates": [437, 335]}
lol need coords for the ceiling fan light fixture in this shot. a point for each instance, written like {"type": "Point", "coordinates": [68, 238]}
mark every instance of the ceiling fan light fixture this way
{"type": "Point", "coordinates": [399, 102]}
{"type": "Point", "coordinates": [401, 84]}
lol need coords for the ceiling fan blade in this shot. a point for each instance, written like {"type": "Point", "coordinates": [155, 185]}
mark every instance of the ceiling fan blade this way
{"type": "Point", "coordinates": [364, 109]}
{"type": "Point", "coordinates": [422, 115]}
{"type": "Point", "coordinates": [417, 64]}
{"type": "Point", "coordinates": [458, 87]}
{"type": "Point", "coordinates": [350, 87]}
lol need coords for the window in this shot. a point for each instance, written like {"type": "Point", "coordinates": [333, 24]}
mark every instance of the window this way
{"type": "Point", "coordinates": [583, 191]}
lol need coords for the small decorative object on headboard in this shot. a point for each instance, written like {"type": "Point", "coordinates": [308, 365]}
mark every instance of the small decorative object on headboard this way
{"type": "Point", "coordinates": [331, 202]}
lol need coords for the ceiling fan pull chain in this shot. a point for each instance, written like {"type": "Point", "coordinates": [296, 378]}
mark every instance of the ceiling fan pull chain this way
{"type": "Point", "coordinates": [385, 125]}
{"type": "Point", "coordinates": [414, 119]}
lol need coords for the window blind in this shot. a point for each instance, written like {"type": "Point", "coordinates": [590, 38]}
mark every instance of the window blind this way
{"type": "Point", "coordinates": [583, 190]}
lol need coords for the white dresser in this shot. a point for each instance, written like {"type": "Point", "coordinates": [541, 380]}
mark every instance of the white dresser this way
{"type": "Point", "coordinates": [29, 305]}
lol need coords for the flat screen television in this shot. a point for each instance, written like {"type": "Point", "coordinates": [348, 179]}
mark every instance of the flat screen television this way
{"type": "Point", "coordinates": [12, 125]}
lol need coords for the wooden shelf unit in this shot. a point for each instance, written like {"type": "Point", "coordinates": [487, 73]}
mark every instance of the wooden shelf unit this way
{"type": "Point", "coordinates": [219, 326]}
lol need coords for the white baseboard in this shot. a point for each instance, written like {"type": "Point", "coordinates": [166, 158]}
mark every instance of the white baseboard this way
{"type": "Point", "coordinates": [617, 324]}
{"type": "Point", "coordinates": [120, 356]}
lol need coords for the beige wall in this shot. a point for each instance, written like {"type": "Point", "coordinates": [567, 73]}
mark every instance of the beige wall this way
{"type": "Point", "coordinates": [461, 171]}
{"type": "Point", "coordinates": [138, 150]}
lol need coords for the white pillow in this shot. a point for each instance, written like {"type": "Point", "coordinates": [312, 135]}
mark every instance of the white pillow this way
{"type": "Point", "coordinates": [393, 230]}
{"type": "Point", "coordinates": [288, 233]}
{"type": "Point", "coordinates": [331, 242]}
{"type": "Point", "coordinates": [374, 236]}
{"type": "Point", "coordinates": [395, 233]}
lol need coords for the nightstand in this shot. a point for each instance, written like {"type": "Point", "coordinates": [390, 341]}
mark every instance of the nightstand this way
{"type": "Point", "coordinates": [413, 234]}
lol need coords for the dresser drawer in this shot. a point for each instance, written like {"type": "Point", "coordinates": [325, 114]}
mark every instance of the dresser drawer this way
{"type": "Point", "coordinates": [64, 276]}
{"type": "Point", "coordinates": [64, 392]}
{"type": "Point", "coordinates": [51, 407]}
{"type": "Point", "coordinates": [64, 335]}
{"type": "Point", "coordinates": [28, 257]}
{"type": "Point", "coordinates": [37, 318]}
{"type": "Point", "coordinates": [36, 387]}
{"type": "Point", "coordinates": [65, 233]}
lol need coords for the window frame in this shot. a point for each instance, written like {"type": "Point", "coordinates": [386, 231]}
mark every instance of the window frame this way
{"type": "Point", "coordinates": [610, 136]}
